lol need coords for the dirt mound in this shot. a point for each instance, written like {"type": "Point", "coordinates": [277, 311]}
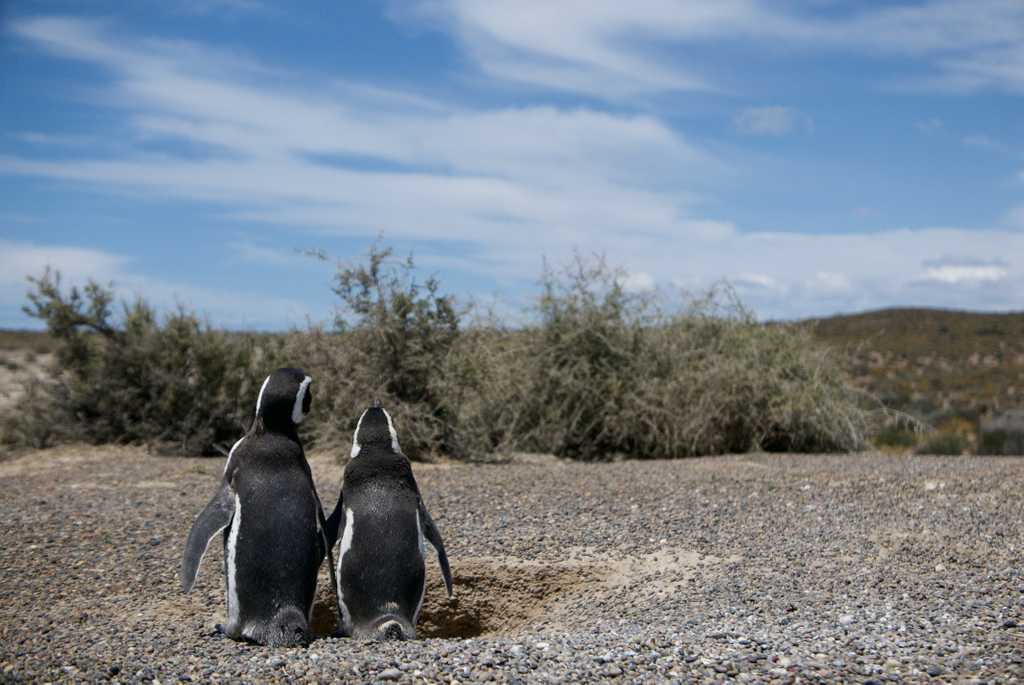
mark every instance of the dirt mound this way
{"type": "Point", "coordinates": [507, 596]}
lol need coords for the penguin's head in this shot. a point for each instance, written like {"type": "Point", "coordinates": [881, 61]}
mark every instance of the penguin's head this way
{"type": "Point", "coordinates": [375, 427]}
{"type": "Point", "coordinates": [284, 399]}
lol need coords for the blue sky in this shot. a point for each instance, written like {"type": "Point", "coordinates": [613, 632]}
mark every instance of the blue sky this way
{"type": "Point", "coordinates": [822, 156]}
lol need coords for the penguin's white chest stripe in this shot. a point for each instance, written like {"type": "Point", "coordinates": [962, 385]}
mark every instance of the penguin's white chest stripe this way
{"type": "Point", "coordinates": [236, 526]}
{"type": "Point", "coordinates": [423, 556]}
{"type": "Point", "coordinates": [346, 545]}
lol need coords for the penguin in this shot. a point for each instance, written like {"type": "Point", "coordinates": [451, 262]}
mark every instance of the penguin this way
{"type": "Point", "coordinates": [381, 573]}
{"type": "Point", "coordinates": [272, 522]}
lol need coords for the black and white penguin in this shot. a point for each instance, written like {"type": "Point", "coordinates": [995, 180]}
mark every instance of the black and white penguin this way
{"type": "Point", "coordinates": [272, 522]}
{"type": "Point", "coordinates": [381, 576]}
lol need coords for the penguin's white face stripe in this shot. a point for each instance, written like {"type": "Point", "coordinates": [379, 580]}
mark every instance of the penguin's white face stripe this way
{"type": "Point", "coordinates": [297, 414]}
{"type": "Point", "coordinates": [346, 545]}
{"type": "Point", "coordinates": [355, 437]}
{"type": "Point", "coordinates": [391, 429]}
{"type": "Point", "coordinates": [236, 525]}
{"type": "Point", "coordinates": [259, 398]}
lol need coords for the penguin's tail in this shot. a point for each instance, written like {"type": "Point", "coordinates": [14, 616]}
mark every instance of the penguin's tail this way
{"type": "Point", "coordinates": [392, 627]}
{"type": "Point", "coordinates": [288, 628]}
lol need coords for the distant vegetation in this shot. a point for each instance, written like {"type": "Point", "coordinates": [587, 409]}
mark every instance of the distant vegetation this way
{"type": "Point", "coordinates": [954, 370]}
{"type": "Point", "coordinates": [598, 373]}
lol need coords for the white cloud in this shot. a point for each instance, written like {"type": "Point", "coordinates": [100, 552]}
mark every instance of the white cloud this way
{"type": "Point", "coordinates": [984, 142]}
{"type": "Point", "coordinates": [771, 121]}
{"type": "Point", "coordinates": [964, 274]}
{"type": "Point", "coordinates": [531, 179]}
{"type": "Point", "coordinates": [487, 191]}
{"type": "Point", "coordinates": [37, 138]}
{"type": "Point", "coordinates": [638, 281]}
{"type": "Point", "coordinates": [832, 282]}
{"type": "Point", "coordinates": [1014, 218]}
{"type": "Point", "coordinates": [754, 280]}
{"type": "Point", "coordinates": [608, 49]}
{"type": "Point", "coordinates": [77, 265]}
{"type": "Point", "coordinates": [271, 256]}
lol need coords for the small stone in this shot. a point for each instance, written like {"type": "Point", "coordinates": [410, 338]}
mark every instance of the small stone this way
{"type": "Point", "coordinates": [1009, 623]}
{"type": "Point", "coordinates": [612, 672]}
{"type": "Point", "coordinates": [939, 568]}
{"type": "Point", "coordinates": [275, 662]}
{"type": "Point", "coordinates": [114, 669]}
{"type": "Point", "coordinates": [935, 670]}
{"type": "Point", "coordinates": [154, 541]}
{"type": "Point", "coordinates": [846, 619]}
{"type": "Point", "coordinates": [390, 674]}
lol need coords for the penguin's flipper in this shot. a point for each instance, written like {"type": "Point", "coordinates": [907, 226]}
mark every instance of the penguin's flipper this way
{"type": "Point", "coordinates": [434, 538]}
{"type": "Point", "coordinates": [334, 523]}
{"type": "Point", "coordinates": [213, 519]}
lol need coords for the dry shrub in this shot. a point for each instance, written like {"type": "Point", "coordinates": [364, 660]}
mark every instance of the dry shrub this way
{"type": "Point", "coordinates": [177, 384]}
{"type": "Point", "coordinates": [600, 372]}
{"type": "Point", "coordinates": [391, 341]}
{"type": "Point", "coordinates": [606, 372]}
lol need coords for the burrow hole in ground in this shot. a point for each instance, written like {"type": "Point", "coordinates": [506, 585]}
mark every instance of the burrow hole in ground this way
{"type": "Point", "coordinates": [491, 599]}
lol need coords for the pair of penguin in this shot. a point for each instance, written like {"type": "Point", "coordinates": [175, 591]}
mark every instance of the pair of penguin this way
{"type": "Point", "coordinates": [275, 534]}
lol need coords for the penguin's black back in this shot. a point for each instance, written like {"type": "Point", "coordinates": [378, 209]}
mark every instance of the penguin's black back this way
{"type": "Point", "coordinates": [278, 548]}
{"type": "Point", "coordinates": [383, 571]}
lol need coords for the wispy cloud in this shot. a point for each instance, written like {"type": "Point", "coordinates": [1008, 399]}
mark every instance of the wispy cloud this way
{"type": "Point", "coordinates": [360, 161]}
{"type": "Point", "coordinates": [486, 190]}
{"type": "Point", "coordinates": [983, 142]}
{"type": "Point", "coordinates": [77, 265]}
{"type": "Point", "coordinates": [958, 270]}
{"type": "Point", "coordinates": [63, 140]}
{"type": "Point", "coordinates": [772, 121]}
{"type": "Point", "coordinates": [609, 48]}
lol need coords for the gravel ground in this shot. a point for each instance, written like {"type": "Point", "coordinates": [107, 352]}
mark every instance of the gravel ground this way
{"type": "Point", "coordinates": [861, 568]}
